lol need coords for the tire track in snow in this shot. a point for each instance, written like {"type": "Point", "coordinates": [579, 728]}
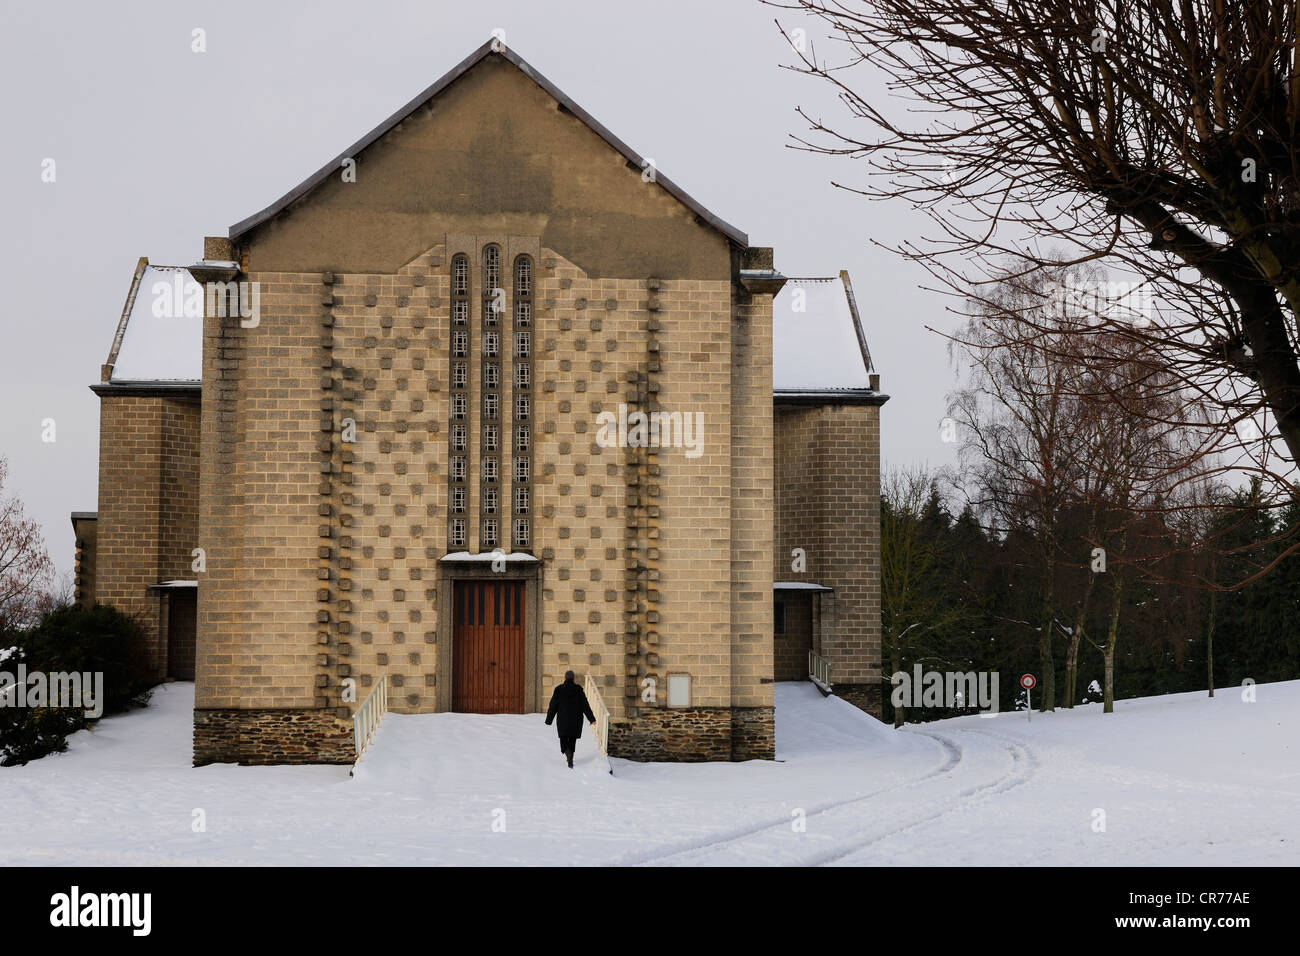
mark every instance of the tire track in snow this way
{"type": "Point", "coordinates": [1024, 764]}
{"type": "Point", "coordinates": [953, 754]}
{"type": "Point", "coordinates": [758, 841]}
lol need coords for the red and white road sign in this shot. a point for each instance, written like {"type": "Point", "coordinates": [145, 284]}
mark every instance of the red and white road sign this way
{"type": "Point", "coordinates": [1028, 682]}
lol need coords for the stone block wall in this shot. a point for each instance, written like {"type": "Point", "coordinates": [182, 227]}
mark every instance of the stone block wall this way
{"type": "Point", "coordinates": [828, 490]}
{"type": "Point", "coordinates": [253, 737]}
{"type": "Point", "coordinates": [752, 522]}
{"type": "Point", "coordinates": [790, 649]}
{"type": "Point", "coordinates": [86, 531]}
{"type": "Point", "coordinates": [148, 503]}
{"type": "Point", "coordinates": [323, 554]}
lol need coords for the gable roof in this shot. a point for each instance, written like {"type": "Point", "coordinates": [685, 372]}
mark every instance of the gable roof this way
{"type": "Point", "coordinates": [150, 348]}
{"type": "Point", "coordinates": [817, 338]}
{"type": "Point", "coordinates": [308, 185]}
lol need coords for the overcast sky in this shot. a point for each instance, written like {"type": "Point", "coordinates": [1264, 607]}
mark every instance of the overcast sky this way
{"type": "Point", "coordinates": [157, 146]}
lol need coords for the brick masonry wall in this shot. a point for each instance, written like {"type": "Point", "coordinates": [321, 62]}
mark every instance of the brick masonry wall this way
{"type": "Point", "coordinates": [148, 485]}
{"type": "Point", "coordinates": [828, 492]}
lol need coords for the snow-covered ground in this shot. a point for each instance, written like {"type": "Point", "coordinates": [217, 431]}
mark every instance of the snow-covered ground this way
{"type": "Point", "coordinates": [1180, 780]}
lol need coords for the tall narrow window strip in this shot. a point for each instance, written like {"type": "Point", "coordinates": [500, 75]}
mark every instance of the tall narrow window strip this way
{"type": "Point", "coordinates": [491, 269]}
{"type": "Point", "coordinates": [523, 276]}
{"type": "Point", "coordinates": [460, 275]}
{"type": "Point", "coordinates": [458, 437]}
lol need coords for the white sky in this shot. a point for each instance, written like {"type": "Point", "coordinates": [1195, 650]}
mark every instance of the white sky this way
{"type": "Point", "coordinates": [157, 146]}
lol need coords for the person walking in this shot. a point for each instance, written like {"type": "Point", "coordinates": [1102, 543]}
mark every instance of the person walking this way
{"type": "Point", "coordinates": [568, 707]}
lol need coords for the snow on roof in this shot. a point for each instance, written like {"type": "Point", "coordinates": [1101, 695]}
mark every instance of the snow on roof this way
{"type": "Point", "coordinates": [817, 338]}
{"type": "Point", "coordinates": [162, 340]}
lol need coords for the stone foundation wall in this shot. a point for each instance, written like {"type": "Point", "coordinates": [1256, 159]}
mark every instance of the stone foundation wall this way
{"type": "Point", "coordinates": [865, 697]}
{"type": "Point", "coordinates": [696, 734]}
{"type": "Point", "coordinates": [753, 733]}
{"type": "Point", "coordinates": [250, 737]}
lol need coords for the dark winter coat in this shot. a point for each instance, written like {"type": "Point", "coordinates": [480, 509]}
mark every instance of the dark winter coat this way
{"type": "Point", "coordinates": [569, 705]}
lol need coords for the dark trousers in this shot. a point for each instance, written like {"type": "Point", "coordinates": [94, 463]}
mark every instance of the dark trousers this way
{"type": "Point", "coordinates": [568, 744]}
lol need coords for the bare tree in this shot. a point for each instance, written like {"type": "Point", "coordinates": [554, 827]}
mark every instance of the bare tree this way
{"type": "Point", "coordinates": [1017, 417]}
{"type": "Point", "coordinates": [25, 567]}
{"type": "Point", "coordinates": [1160, 137]}
{"type": "Point", "coordinates": [1143, 456]}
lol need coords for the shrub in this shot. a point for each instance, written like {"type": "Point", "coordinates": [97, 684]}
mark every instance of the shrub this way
{"type": "Point", "coordinates": [100, 639]}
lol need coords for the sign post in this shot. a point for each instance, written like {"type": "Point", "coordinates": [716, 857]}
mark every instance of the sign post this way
{"type": "Point", "coordinates": [1028, 682]}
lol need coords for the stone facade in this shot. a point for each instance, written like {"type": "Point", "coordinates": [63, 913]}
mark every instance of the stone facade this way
{"type": "Point", "coordinates": [828, 486]}
{"type": "Point", "coordinates": [85, 528]}
{"type": "Point", "coordinates": [147, 520]}
{"type": "Point", "coordinates": [328, 429]}
{"type": "Point", "coordinates": [251, 737]}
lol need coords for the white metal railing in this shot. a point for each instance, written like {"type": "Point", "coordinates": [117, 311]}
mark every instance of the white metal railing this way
{"type": "Point", "coordinates": [366, 720]}
{"type": "Point", "coordinates": [602, 714]}
{"type": "Point", "coordinates": [819, 670]}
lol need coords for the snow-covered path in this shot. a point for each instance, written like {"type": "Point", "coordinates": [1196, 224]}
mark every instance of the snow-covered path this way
{"type": "Point", "coordinates": [1180, 780]}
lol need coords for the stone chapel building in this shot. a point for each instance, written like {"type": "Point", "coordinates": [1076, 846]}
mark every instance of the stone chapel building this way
{"type": "Point", "coordinates": [390, 426]}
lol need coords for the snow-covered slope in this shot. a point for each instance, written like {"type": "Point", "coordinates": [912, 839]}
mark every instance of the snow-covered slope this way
{"type": "Point", "coordinates": [1180, 780]}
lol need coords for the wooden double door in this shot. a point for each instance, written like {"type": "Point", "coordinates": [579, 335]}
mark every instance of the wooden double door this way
{"type": "Point", "coordinates": [488, 647]}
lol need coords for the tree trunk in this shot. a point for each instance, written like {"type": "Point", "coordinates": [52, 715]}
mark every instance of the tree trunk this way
{"type": "Point", "coordinates": [1076, 636]}
{"type": "Point", "coordinates": [1112, 637]}
{"type": "Point", "coordinates": [1046, 663]}
{"type": "Point", "coordinates": [1274, 362]}
{"type": "Point", "coordinates": [1209, 645]}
